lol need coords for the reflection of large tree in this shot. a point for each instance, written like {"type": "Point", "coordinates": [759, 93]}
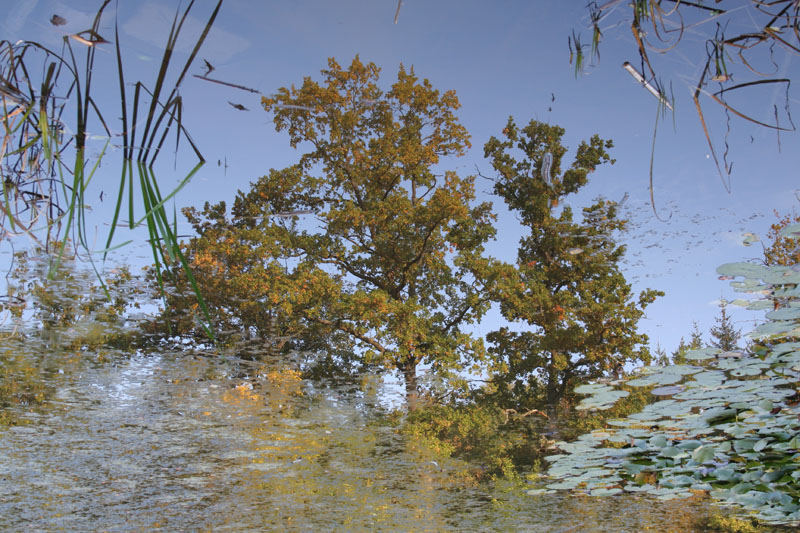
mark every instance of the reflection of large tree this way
{"type": "Point", "coordinates": [394, 262]}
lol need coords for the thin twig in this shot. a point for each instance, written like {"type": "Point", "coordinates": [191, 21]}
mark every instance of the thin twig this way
{"type": "Point", "coordinates": [227, 83]}
{"type": "Point", "coordinates": [397, 11]}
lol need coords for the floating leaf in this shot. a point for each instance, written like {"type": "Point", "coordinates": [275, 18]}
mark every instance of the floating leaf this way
{"type": "Point", "coordinates": [606, 491]}
{"type": "Point", "coordinates": [658, 441]}
{"type": "Point", "coordinates": [743, 445]}
{"type": "Point", "coordinates": [703, 454]}
{"type": "Point", "coordinates": [702, 354]}
{"type": "Point", "coordinates": [682, 370]}
{"type": "Point", "coordinates": [89, 38]}
{"type": "Point", "coordinates": [668, 390]}
{"type": "Point", "coordinates": [785, 313]}
{"type": "Point", "coordinates": [791, 231]}
{"type": "Point", "coordinates": [747, 270]}
{"type": "Point", "coordinates": [758, 305]}
{"type": "Point", "coordinates": [656, 379]}
{"type": "Point", "coordinates": [592, 388]}
{"type": "Point", "coordinates": [729, 427]}
{"type": "Point", "coordinates": [777, 328]}
{"type": "Point", "coordinates": [761, 444]}
{"type": "Point", "coordinates": [689, 444]}
{"type": "Point", "coordinates": [672, 451]}
{"type": "Point", "coordinates": [724, 474]}
{"type": "Point", "coordinates": [709, 378]}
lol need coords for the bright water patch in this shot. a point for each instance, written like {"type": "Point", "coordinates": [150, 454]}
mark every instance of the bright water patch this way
{"type": "Point", "coordinates": [179, 441]}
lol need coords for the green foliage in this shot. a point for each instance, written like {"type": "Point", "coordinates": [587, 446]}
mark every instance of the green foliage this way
{"type": "Point", "coordinates": [723, 522]}
{"type": "Point", "coordinates": [21, 383]}
{"type": "Point", "coordinates": [578, 311]}
{"type": "Point", "coordinates": [695, 343]}
{"type": "Point", "coordinates": [391, 265]}
{"type": "Point", "coordinates": [727, 426]}
{"type": "Point", "coordinates": [725, 334]}
{"type": "Point", "coordinates": [660, 356]}
{"type": "Point", "coordinates": [784, 250]}
{"type": "Point", "coordinates": [582, 420]}
{"type": "Point", "coordinates": [70, 308]}
{"type": "Point", "coordinates": [396, 263]}
{"type": "Point", "coordinates": [784, 237]}
{"type": "Point", "coordinates": [504, 443]}
{"type": "Point", "coordinates": [44, 190]}
{"type": "Point", "coordinates": [501, 443]}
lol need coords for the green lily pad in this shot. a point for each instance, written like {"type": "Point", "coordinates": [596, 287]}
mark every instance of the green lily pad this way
{"type": "Point", "coordinates": [760, 305]}
{"type": "Point", "coordinates": [667, 390]}
{"type": "Point", "coordinates": [703, 454]}
{"type": "Point", "coordinates": [726, 428]}
{"type": "Point", "coordinates": [747, 270]}
{"type": "Point", "coordinates": [593, 388]}
{"type": "Point", "coordinates": [656, 379]}
{"type": "Point", "coordinates": [791, 231]}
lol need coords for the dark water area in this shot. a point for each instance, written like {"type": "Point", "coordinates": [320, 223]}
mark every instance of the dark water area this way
{"type": "Point", "coordinates": [169, 441]}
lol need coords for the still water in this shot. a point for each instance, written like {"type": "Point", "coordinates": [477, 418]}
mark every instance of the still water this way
{"type": "Point", "coordinates": [170, 440]}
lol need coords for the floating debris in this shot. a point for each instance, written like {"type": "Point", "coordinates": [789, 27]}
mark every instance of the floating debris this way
{"type": "Point", "coordinates": [293, 106]}
{"type": "Point", "coordinates": [638, 77]}
{"type": "Point", "coordinates": [547, 163]}
{"type": "Point", "coordinates": [749, 238]}
{"type": "Point", "coordinates": [227, 83]}
{"type": "Point", "coordinates": [574, 251]}
{"type": "Point", "coordinates": [89, 38]}
{"type": "Point", "coordinates": [397, 11]}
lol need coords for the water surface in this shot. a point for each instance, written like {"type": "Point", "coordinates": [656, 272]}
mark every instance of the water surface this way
{"type": "Point", "coordinates": [174, 441]}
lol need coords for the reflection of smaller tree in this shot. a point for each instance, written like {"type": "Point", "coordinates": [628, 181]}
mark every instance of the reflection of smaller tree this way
{"type": "Point", "coordinates": [695, 343]}
{"type": "Point", "coordinates": [660, 356]}
{"type": "Point", "coordinates": [726, 335]}
{"type": "Point", "coordinates": [577, 311]}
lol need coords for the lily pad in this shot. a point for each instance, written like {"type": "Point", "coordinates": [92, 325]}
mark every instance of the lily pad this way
{"type": "Point", "coordinates": [747, 270]}
{"type": "Point", "coordinates": [791, 231]}
{"type": "Point", "coordinates": [702, 354]}
{"type": "Point", "coordinates": [667, 390]}
{"type": "Point", "coordinates": [728, 426]}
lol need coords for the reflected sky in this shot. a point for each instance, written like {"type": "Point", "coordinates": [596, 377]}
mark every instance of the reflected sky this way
{"type": "Point", "coordinates": [508, 58]}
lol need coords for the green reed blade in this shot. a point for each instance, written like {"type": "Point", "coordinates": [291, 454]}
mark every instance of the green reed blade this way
{"type": "Point", "coordinates": [185, 69]}
{"type": "Point", "coordinates": [126, 167]}
{"type": "Point", "coordinates": [160, 203]}
{"type": "Point", "coordinates": [76, 185]}
{"type": "Point", "coordinates": [105, 251]}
